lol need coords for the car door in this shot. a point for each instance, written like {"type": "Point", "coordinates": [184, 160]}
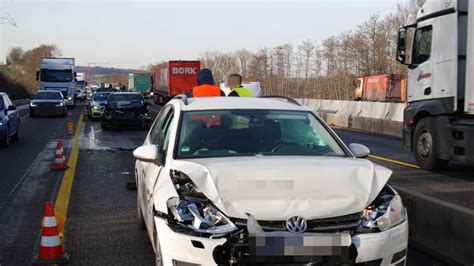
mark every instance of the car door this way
{"type": "Point", "coordinates": [148, 172]}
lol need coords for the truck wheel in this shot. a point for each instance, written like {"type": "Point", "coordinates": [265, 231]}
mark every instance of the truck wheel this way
{"type": "Point", "coordinates": [426, 145]}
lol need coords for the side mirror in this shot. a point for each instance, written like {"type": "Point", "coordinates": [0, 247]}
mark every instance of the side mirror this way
{"type": "Point", "coordinates": [359, 150]}
{"type": "Point", "coordinates": [37, 75]}
{"type": "Point", "coordinates": [401, 46]}
{"type": "Point", "coordinates": [75, 74]}
{"type": "Point", "coordinates": [147, 153]}
{"type": "Point", "coordinates": [11, 108]}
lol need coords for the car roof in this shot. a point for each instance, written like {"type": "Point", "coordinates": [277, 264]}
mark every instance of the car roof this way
{"type": "Point", "coordinates": [225, 103]}
{"type": "Point", "coordinates": [127, 93]}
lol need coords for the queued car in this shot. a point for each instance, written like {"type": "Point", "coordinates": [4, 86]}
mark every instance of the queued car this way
{"type": "Point", "coordinates": [9, 121]}
{"type": "Point", "coordinates": [228, 180]}
{"type": "Point", "coordinates": [126, 109]}
{"type": "Point", "coordinates": [48, 103]}
{"type": "Point", "coordinates": [80, 94]}
{"type": "Point", "coordinates": [95, 106]}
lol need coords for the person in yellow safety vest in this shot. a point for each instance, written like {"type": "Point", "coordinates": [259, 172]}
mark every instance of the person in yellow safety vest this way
{"type": "Point", "coordinates": [234, 82]}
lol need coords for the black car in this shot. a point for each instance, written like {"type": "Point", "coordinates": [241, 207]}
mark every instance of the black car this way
{"type": "Point", "coordinates": [126, 109]}
{"type": "Point", "coordinates": [48, 103]}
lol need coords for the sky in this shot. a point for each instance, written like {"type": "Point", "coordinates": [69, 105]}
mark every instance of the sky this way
{"type": "Point", "coordinates": [130, 34]}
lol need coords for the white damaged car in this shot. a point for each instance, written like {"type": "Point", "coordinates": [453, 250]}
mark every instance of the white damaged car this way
{"type": "Point", "coordinates": [262, 180]}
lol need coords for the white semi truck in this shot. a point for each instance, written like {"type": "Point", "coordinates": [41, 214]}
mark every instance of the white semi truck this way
{"type": "Point", "coordinates": [439, 119]}
{"type": "Point", "coordinates": [58, 74]}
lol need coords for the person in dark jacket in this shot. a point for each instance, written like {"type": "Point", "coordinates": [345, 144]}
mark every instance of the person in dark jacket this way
{"type": "Point", "coordinates": [205, 87]}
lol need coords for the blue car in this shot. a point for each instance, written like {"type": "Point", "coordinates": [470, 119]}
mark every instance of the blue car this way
{"type": "Point", "coordinates": [9, 120]}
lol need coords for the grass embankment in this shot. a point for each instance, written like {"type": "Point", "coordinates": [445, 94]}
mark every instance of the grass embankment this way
{"type": "Point", "coordinates": [11, 83]}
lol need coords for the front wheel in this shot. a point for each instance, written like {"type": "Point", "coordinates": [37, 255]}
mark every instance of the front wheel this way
{"type": "Point", "coordinates": [104, 127]}
{"type": "Point", "coordinates": [426, 145]}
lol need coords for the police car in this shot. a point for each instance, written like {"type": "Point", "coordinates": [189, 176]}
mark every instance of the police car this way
{"type": "Point", "coordinates": [228, 180]}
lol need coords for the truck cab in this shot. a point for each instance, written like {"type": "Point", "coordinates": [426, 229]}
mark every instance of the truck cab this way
{"type": "Point", "coordinates": [58, 74]}
{"type": "Point", "coordinates": [438, 122]}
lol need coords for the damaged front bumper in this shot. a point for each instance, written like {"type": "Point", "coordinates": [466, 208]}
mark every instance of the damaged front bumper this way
{"type": "Point", "coordinates": [240, 247]}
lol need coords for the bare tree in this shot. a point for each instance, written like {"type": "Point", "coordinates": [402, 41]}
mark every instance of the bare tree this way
{"type": "Point", "coordinates": [6, 18]}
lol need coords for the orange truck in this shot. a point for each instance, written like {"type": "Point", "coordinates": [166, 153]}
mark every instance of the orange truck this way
{"type": "Point", "coordinates": [385, 88]}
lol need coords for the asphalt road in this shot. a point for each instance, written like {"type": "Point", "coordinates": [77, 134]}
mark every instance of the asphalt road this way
{"type": "Point", "coordinates": [101, 226]}
{"type": "Point", "coordinates": [454, 184]}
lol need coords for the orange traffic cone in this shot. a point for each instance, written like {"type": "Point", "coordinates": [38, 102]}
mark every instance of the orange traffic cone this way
{"type": "Point", "coordinates": [50, 251]}
{"type": "Point", "coordinates": [59, 158]}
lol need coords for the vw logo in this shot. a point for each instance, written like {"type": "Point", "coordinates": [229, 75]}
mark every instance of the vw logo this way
{"type": "Point", "coordinates": [296, 224]}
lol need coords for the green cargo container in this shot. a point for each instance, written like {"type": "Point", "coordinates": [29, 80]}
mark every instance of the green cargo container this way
{"type": "Point", "coordinates": [139, 82]}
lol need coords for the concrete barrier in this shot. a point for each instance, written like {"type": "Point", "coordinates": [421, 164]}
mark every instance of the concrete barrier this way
{"type": "Point", "coordinates": [375, 117]}
{"type": "Point", "coordinates": [442, 229]}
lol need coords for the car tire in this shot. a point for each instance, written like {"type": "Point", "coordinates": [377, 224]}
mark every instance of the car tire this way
{"type": "Point", "coordinates": [141, 220]}
{"type": "Point", "coordinates": [426, 145]}
{"type": "Point", "coordinates": [5, 142]}
{"type": "Point", "coordinates": [158, 256]}
{"type": "Point", "coordinates": [16, 136]}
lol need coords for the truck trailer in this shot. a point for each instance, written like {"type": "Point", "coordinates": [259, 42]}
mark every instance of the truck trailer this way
{"type": "Point", "coordinates": [173, 78]}
{"type": "Point", "coordinates": [439, 119]}
{"type": "Point", "coordinates": [385, 88]}
{"type": "Point", "coordinates": [139, 82]}
{"type": "Point", "coordinates": [58, 74]}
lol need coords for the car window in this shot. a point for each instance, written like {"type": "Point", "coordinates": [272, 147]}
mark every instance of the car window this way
{"type": "Point", "coordinates": [2, 106]}
{"type": "Point", "coordinates": [48, 95]}
{"type": "Point", "coordinates": [422, 45]}
{"type": "Point", "coordinates": [164, 137]}
{"type": "Point", "coordinates": [223, 133]}
{"type": "Point", "coordinates": [125, 97]}
{"type": "Point", "coordinates": [155, 131]}
{"type": "Point", "coordinates": [101, 96]}
{"type": "Point", "coordinates": [7, 101]}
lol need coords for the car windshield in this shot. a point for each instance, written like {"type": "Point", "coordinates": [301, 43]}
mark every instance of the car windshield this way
{"type": "Point", "coordinates": [47, 96]}
{"type": "Point", "coordinates": [50, 75]}
{"type": "Point", "coordinates": [125, 98]}
{"type": "Point", "coordinates": [224, 133]}
{"type": "Point", "coordinates": [101, 96]}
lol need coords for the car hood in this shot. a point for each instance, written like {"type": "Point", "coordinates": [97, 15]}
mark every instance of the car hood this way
{"type": "Point", "coordinates": [278, 188]}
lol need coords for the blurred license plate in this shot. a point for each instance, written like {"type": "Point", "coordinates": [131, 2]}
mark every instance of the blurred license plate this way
{"type": "Point", "coordinates": [288, 244]}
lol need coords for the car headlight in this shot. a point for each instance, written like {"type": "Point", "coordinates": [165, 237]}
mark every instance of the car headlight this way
{"type": "Point", "coordinates": [59, 104]}
{"type": "Point", "coordinates": [95, 107]}
{"type": "Point", "coordinates": [69, 98]}
{"type": "Point", "coordinates": [385, 212]}
{"type": "Point", "coordinates": [33, 105]}
{"type": "Point", "coordinates": [202, 217]}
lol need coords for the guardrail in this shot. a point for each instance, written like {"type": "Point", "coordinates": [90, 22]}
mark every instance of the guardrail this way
{"type": "Point", "coordinates": [21, 102]}
{"type": "Point", "coordinates": [375, 117]}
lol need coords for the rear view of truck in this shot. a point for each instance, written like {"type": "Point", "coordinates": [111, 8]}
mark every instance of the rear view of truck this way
{"type": "Point", "coordinates": [173, 78]}
{"type": "Point", "coordinates": [139, 82]}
